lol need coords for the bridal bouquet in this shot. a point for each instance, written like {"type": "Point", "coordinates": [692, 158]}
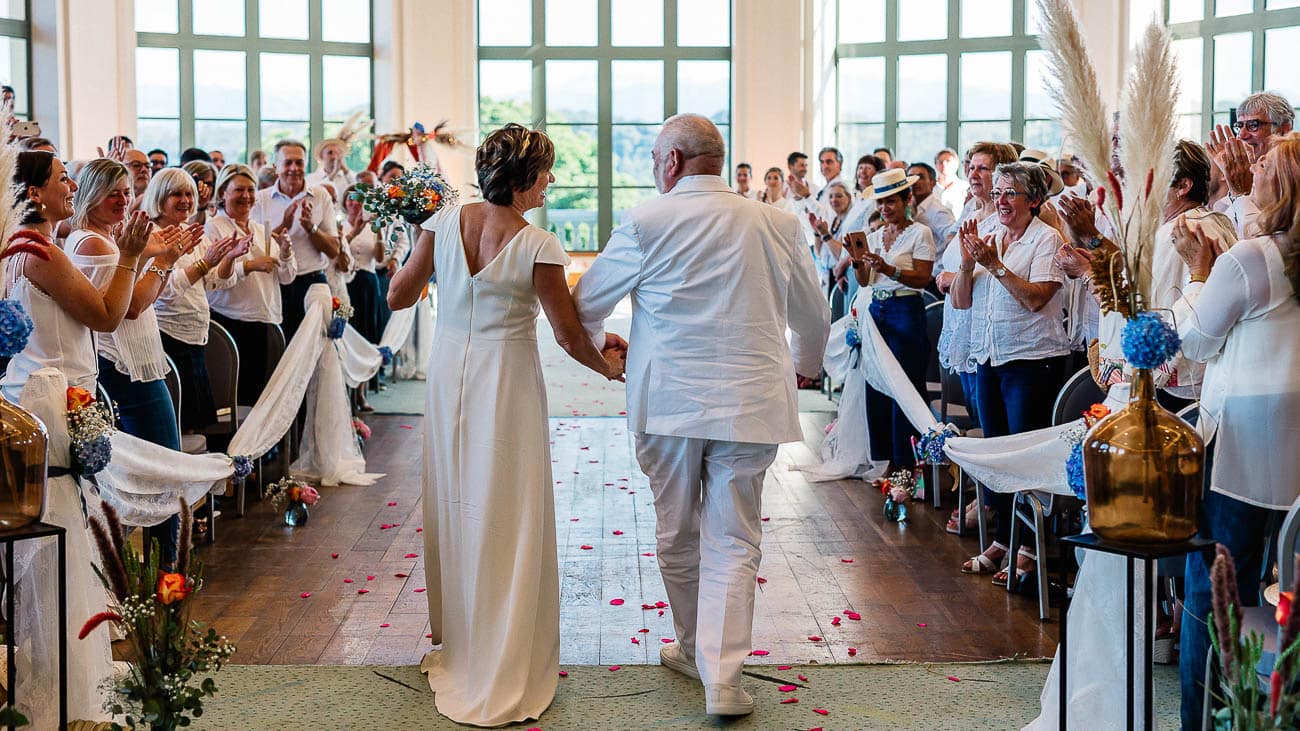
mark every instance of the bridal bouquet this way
{"type": "Point", "coordinates": [413, 197]}
{"type": "Point", "coordinates": [171, 655]}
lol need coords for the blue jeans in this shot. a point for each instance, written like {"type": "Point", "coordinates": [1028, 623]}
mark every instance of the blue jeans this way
{"type": "Point", "coordinates": [1245, 530]}
{"type": "Point", "coordinates": [145, 410]}
{"type": "Point", "coordinates": [1015, 397]}
{"type": "Point", "coordinates": [292, 305]}
{"type": "Point", "coordinates": [971, 391]}
{"type": "Point", "coordinates": [901, 321]}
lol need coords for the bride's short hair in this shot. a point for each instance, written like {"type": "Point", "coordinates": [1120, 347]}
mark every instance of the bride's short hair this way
{"type": "Point", "coordinates": [510, 160]}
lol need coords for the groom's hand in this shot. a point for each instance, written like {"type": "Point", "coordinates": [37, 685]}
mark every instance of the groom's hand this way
{"type": "Point", "coordinates": [614, 342]}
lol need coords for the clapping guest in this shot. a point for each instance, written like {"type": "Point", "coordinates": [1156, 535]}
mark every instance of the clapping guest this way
{"type": "Point", "coordinates": [1261, 119]}
{"type": "Point", "coordinates": [773, 191]}
{"type": "Point", "coordinates": [885, 155]}
{"type": "Point", "coordinates": [217, 158]}
{"type": "Point", "coordinates": [138, 164]}
{"type": "Point", "coordinates": [252, 306]}
{"type": "Point", "coordinates": [1241, 318]}
{"type": "Point", "coordinates": [256, 160]}
{"type": "Point", "coordinates": [896, 263]}
{"type": "Point", "coordinates": [182, 306]}
{"type": "Point", "coordinates": [333, 172]}
{"type": "Point", "coordinates": [743, 174]}
{"type": "Point", "coordinates": [1011, 284]}
{"type": "Point", "coordinates": [157, 160]}
{"type": "Point", "coordinates": [205, 177]}
{"type": "Point", "coordinates": [132, 365]}
{"type": "Point", "coordinates": [863, 204]}
{"type": "Point", "coordinates": [830, 234]}
{"type": "Point", "coordinates": [306, 214]}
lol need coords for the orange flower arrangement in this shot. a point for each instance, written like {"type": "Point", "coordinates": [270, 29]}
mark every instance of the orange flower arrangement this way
{"type": "Point", "coordinates": [173, 588]}
{"type": "Point", "coordinates": [396, 192]}
{"type": "Point", "coordinates": [79, 397]}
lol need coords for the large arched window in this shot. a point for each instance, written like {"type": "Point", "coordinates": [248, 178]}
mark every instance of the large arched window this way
{"type": "Point", "coordinates": [920, 75]}
{"type": "Point", "coordinates": [600, 76]}
{"type": "Point", "coordinates": [235, 75]}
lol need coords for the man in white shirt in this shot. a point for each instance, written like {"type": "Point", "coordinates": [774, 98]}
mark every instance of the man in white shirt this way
{"type": "Point", "coordinates": [1262, 119]}
{"type": "Point", "coordinates": [137, 164]}
{"type": "Point", "coordinates": [710, 384]}
{"type": "Point", "coordinates": [928, 209]}
{"type": "Point", "coordinates": [951, 189]}
{"type": "Point", "coordinates": [801, 193]}
{"type": "Point", "coordinates": [885, 155]}
{"type": "Point", "coordinates": [831, 161]}
{"type": "Point", "coordinates": [307, 215]}
{"type": "Point", "coordinates": [333, 173]}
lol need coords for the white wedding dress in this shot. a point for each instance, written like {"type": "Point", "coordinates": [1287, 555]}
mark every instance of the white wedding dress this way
{"type": "Point", "coordinates": [489, 510]}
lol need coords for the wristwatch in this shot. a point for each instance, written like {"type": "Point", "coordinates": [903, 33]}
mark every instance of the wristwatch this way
{"type": "Point", "coordinates": [1092, 242]}
{"type": "Point", "coordinates": [999, 271]}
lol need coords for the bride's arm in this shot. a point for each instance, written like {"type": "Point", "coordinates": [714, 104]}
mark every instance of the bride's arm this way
{"type": "Point", "coordinates": [553, 291]}
{"type": "Point", "coordinates": [409, 281]}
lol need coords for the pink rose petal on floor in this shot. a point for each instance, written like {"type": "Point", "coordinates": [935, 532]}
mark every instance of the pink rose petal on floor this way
{"type": "Point", "coordinates": [411, 555]}
{"type": "Point", "coordinates": [617, 532]}
{"type": "Point", "coordinates": [788, 688]}
{"type": "Point", "coordinates": [853, 651]}
{"type": "Point", "coordinates": [586, 548]}
{"type": "Point", "coordinates": [787, 701]}
{"type": "Point", "coordinates": [616, 602]}
{"type": "Point", "coordinates": [803, 677]}
{"type": "Point", "coordinates": [304, 595]}
{"type": "Point", "coordinates": [636, 641]}
{"type": "Point", "coordinates": [564, 673]}
{"type": "Point", "coordinates": [643, 630]}
{"type": "Point", "coordinates": [363, 591]}
{"type": "Point", "coordinates": [384, 625]}
{"type": "Point", "coordinates": [370, 578]}
{"type": "Point", "coordinates": [392, 504]}
{"type": "Point", "coordinates": [647, 606]}
{"type": "Point", "coordinates": [761, 580]}
{"type": "Point", "coordinates": [419, 530]}
{"type": "Point", "coordinates": [760, 653]}
{"type": "Point", "coordinates": [661, 612]}
{"type": "Point", "coordinates": [835, 621]}
{"type": "Point", "coordinates": [666, 640]}
{"type": "Point", "coordinates": [419, 591]}
{"type": "Point", "coordinates": [385, 526]}
{"type": "Point", "coordinates": [648, 553]}
{"type": "Point", "coordinates": [613, 668]}
{"type": "Point", "coordinates": [401, 576]}
{"type": "Point", "coordinates": [814, 638]}
{"type": "Point", "coordinates": [347, 581]}
{"type": "Point", "coordinates": [661, 605]}
{"type": "Point", "coordinates": [784, 667]}
{"type": "Point", "coordinates": [846, 560]}
{"type": "Point", "coordinates": [406, 426]}
{"type": "Point", "coordinates": [821, 711]}
{"type": "Point", "coordinates": [853, 616]}
{"type": "Point", "coordinates": [922, 624]}
{"type": "Point", "coordinates": [334, 555]}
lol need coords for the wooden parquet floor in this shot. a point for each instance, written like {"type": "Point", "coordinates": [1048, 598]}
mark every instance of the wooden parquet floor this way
{"type": "Point", "coordinates": [827, 550]}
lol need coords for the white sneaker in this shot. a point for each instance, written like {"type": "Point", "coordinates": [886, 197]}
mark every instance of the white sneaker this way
{"type": "Point", "coordinates": [672, 657]}
{"type": "Point", "coordinates": [727, 700]}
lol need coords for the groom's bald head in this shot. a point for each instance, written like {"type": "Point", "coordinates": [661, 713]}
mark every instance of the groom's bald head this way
{"type": "Point", "coordinates": [688, 144]}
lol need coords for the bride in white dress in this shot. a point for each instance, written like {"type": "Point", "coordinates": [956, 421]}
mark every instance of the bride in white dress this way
{"type": "Point", "coordinates": [489, 512]}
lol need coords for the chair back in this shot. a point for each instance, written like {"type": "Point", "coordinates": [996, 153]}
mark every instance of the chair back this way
{"type": "Point", "coordinates": [1078, 393]}
{"type": "Point", "coordinates": [222, 356]}
{"type": "Point", "coordinates": [934, 326]}
{"type": "Point", "coordinates": [1191, 413]}
{"type": "Point", "coordinates": [1288, 541]}
{"type": "Point", "coordinates": [173, 380]}
{"type": "Point", "coordinates": [275, 346]}
{"type": "Point", "coordinates": [101, 393]}
{"type": "Point", "coordinates": [838, 305]}
{"type": "Point", "coordinates": [928, 298]}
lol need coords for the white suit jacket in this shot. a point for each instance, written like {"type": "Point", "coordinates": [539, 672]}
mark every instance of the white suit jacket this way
{"type": "Point", "coordinates": [715, 282]}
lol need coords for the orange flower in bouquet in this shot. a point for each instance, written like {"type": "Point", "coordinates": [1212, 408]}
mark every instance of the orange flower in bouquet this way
{"type": "Point", "coordinates": [1095, 413]}
{"type": "Point", "coordinates": [1284, 602]}
{"type": "Point", "coordinates": [79, 397]}
{"type": "Point", "coordinates": [172, 588]}
{"type": "Point", "coordinates": [295, 494]}
{"type": "Point", "coordinates": [395, 191]}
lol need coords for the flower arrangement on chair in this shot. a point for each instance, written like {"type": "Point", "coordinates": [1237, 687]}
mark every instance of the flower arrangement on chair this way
{"type": "Point", "coordinates": [413, 197]}
{"type": "Point", "coordinates": [90, 428]}
{"type": "Point", "coordinates": [171, 655]}
{"type": "Point", "coordinates": [341, 313]}
{"type": "Point", "coordinates": [1074, 437]}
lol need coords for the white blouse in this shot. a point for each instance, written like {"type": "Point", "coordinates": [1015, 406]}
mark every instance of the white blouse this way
{"type": "Point", "coordinates": [255, 296]}
{"type": "Point", "coordinates": [914, 243]}
{"type": "Point", "coordinates": [954, 338]}
{"type": "Point", "coordinates": [362, 247]}
{"type": "Point", "coordinates": [182, 307]}
{"type": "Point", "coordinates": [1002, 330]}
{"type": "Point", "coordinates": [1244, 324]}
{"type": "Point", "coordinates": [57, 340]}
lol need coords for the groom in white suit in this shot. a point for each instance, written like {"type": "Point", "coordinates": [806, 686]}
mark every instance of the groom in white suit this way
{"type": "Point", "coordinates": [716, 280]}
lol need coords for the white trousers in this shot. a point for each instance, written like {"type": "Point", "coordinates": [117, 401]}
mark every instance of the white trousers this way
{"type": "Point", "coordinates": [708, 501]}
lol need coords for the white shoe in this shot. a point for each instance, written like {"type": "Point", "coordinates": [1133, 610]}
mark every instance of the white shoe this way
{"type": "Point", "coordinates": [727, 700]}
{"type": "Point", "coordinates": [672, 657]}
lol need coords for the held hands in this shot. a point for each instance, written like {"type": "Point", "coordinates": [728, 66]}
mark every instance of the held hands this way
{"type": "Point", "coordinates": [1234, 159]}
{"type": "Point", "coordinates": [615, 352]}
{"type": "Point", "coordinates": [135, 234]}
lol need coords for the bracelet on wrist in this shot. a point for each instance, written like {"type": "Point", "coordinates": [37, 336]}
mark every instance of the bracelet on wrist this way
{"type": "Point", "coordinates": [162, 273]}
{"type": "Point", "coordinates": [125, 268]}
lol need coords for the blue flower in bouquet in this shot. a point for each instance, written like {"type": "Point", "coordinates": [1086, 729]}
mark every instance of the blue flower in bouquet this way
{"type": "Point", "coordinates": [1148, 341]}
{"type": "Point", "coordinates": [243, 466]}
{"type": "Point", "coordinates": [386, 353]}
{"type": "Point", "coordinates": [93, 455]}
{"type": "Point", "coordinates": [852, 338]}
{"type": "Point", "coordinates": [335, 329]}
{"type": "Point", "coordinates": [931, 444]}
{"type": "Point", "coordinates": [1074, 471]}
{"type": "Point", "coordinates": [15, 327]}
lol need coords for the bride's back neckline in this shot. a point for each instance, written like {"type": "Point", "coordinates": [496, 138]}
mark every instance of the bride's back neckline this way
{"type": "Point", "coordinates": [481, 223]}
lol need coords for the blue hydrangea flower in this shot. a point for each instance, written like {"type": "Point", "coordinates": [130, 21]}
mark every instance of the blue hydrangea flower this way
{"type": "Point", "coordinates": [1148, 341]}
{"type": "Point", "coordinates": [243, 466]}
{"type": "Point", "coordinates": [15, 327]}
{"type": "Point", "coordinates": [1074, 471]}
{"type": "Point", "coordinates": [92, 456]}
{"type": "Point", "coordinates": [931, 444]}
{"type": "Point", "coordinates": [851, 338]}
{"type": "Point", "coordinates": [386, 353]}
{"type": "Point", "coordinates": [335, 328]}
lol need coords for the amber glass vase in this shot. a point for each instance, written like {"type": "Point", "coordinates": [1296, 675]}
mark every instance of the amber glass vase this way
{"type": "Point", "coordinates": [1142, 471]}
{"type": "Point", "coordinates": [22, 455]}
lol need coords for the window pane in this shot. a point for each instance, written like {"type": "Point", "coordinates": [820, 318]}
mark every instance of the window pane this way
{"type": "Point", "coordinates": [1037, 102]}
{"type": "Point", "coordinates": [347, 21]}
{"type": "Point", "coordinates": [626, 199]}
{"type": "Point", "coordinates": [1182, 11]}
{"type": "Point", "coordinates": [986, 85]}
{"type": "Point", "coordinates": [13, 9]}
{"type": "Point", "coordinates": [13, 71]}
{"type": "Point", "coordinates": [632, 147]}
{"type": "Point", "coordinates": [920, 141]}
{"type": "Point", "coordinates": [505, 92]}
{"type": "Point", "coordinates": [511, 23]}
{"type": "Point", "coordinates": [347, 86]}
{"type": "Point", "coordinates": [151, 16]}
{"type": "Point", "coordinates": [157, 82]}
{"type": "Point", "coordinates": [576, 154]}
{"type": "Point", "coordinates": [1279, 4]}
{"type": "Point", "coordinates": [1224, 8]}
{"type": "Point", "coordinates": [1189, 125]}
{"type": "Point", "coordinates": [704, 87]}
{"type": "Point", "coordinates": [229, 137]}
{"type": "Point", "coordinates": [971, 132]}
{"type": "Point", "coordinates": [273, 132]}
{"type": "Point", "coordinates": [571, 215]}
{"type": "Point", "coordinates": [219, 82]}
{"type": "Point", "coordinates": [1033, 19]}
{"type": "Point", "coordinates": [856, 140]}
{"type": "Point", "coordinates": [706, 23]}
{"type": "Point", "coordinates": [570, 22]}
{"type": "Point", "coordinates": [638, 91]}
{"type": "Point", "coordinates": [921, 20]}
{"type": "Point", "coordinates": [1281, 59]}
{"type": "Point", "coordinates": [1044, 134]}
{"type": "Point", "coordinates": [282, 18]}
{"type": "Point", "coordinates": [218, 18]}
{"type": "Point", "coordinates": [923, 87]}
{"type": "Point", "coordinates": [862, 89]}
{"type": "Point", "coordinates": [165, 134]}
{"type": "Point", "coordinates": [986, 18]}
{"type": "Point", "coordinates": [637, 22]}
{"type": "Point", "coordinates": [862, 21]}
{"type": "Point", "coordinates": [284, 86]}
{"type": "Point", "coordinates": [571, 91]}
{"type": "Point", "coordinates": [1232, 63]}
{"type": "Point", "coordinates": [1188, 54]}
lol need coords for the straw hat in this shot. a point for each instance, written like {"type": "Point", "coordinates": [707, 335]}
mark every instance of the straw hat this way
{"type": "Point", "coordinates": [890, 182]}
{"type": "Point", "coordinates": [1054, 183]}
{"type": "Point", "coordinates": [320, 146]}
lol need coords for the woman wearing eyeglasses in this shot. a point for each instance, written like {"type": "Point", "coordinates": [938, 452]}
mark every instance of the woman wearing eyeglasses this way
{"type": "Point", "coordinates": [1011, 283]}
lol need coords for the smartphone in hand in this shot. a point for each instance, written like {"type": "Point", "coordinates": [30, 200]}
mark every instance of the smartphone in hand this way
{"type": "Point", "coordinates": [857, 242]}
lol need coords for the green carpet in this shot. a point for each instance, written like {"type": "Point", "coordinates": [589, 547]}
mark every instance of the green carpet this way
{"type": "Point", "coordinates": [986, 696]}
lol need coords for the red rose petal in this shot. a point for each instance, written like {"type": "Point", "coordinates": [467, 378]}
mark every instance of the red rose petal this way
{"type": "Point", "coordinates": [401, 576]}
{"type": "Point", "coordinates": [392, 504]}
{"type": "Point", "coordinates": [803, 677]}
{"type": "Point", "coordinates": [347, 581]}
{"type": "Point", "coordinates": [616, 602]}
{"type": "Point", "coordinates": [304, 595]}
{"type": "Point", "coordinates": [647, 606]}
{"type": "Point", "coordinates": [765, 519]}
{"type": "Point", "coordinates": [761, 580]}
{"type": "Point", "coordinates": [428, 636]}
{"type": "Point", "coordinates": [636, 641]}
{"type": "Point", "coordinates": [922, 624]}
{"type": "Point", "coordinates": [622, 413]}
{"type": "Point", "coordinates": [573, 520]}
{"type": "Point", "coordinates": [821, 711]}
{"type": "Point", "coordinates": [661, 612]}
{"type": "Point", "coordinates": [564, 673]}
{"type": "Point", "coordinates": [334, 555]}
{"type": "Point", "coordinates": [613, 668]}
{"type": "Point", "coordinates": [954, 678]}
{"type": "Point", "coordinates": [586, 548]}
{"type": "Point", "coordinates": [617, 532]}
{"type": "Point", "coordinates": [835, 621]}
{"type": "Point", "coordinates": [846, 560]}
{"type": "Point", "coordinates": [853, 616]}
{"type": "Point", "coordinates": [666, 640]}
{"type": "Point", "coordinates": [419, 530]}
{"type": "Point", "coordinates": [648, 553]}
{"type": "Point", "coordinates": [411, 555]}
{"type": "Point", "coordinates": [385, 526]}
{"type": "Point", "coordinates": [788, 688]}
{"type": "Point", "coordinates": [370, 578]}
{"type": "Point", "coordinates": [661, 605]}
{"type": "Point", "coordinates": [643, 630]}
{"type": "Point", "coordinates": [406, 426]}
{"type": "Point", "coordinates": [784, 667]}
{"type": "Point", "coordinates": [814, 638]}
{"type": "Point", "coordinates": [363, 591]}
{"type": "Point", "coordinates": [853, 651]}
{"type": "Point", "coordinates": [760, 653]}
{"type": "Point", "coordinates": [419, 591]}
{"type": "Point", "coordinates": [385, 624]}
{"type": "Point", "coordinates": [787, 701]}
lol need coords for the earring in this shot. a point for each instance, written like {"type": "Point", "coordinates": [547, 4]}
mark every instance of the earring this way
{"type": "Point", "coordinates": [42, 206]}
